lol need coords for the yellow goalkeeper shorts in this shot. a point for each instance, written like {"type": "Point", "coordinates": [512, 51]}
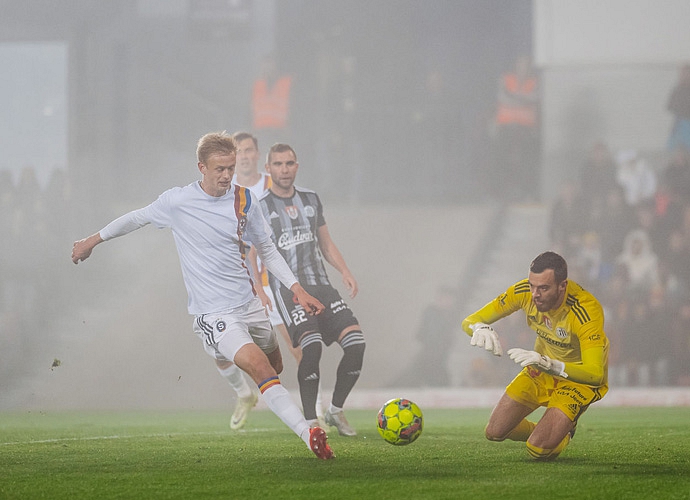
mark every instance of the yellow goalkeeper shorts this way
{"type": "Point", "coordinates": [534, 388]}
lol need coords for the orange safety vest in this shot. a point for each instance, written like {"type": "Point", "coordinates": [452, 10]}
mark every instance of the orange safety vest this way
{"type": "Point", "coordinates": [517, 111]}
{"type": "Point", "coordinates": [270, 106]}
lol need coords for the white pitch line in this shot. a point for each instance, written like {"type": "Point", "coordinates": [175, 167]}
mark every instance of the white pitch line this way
{"type": "Point", "coordinates": [132, 436]}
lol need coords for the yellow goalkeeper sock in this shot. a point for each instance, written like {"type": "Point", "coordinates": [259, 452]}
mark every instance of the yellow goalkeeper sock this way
{"type": "Point", "coordinates": [544, 454]}
{"type": "Point", "coordinates": [522, 431]}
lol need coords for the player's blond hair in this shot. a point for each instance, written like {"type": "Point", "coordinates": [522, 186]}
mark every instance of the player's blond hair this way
{"type": "Point", "coordinates": [215, 143]}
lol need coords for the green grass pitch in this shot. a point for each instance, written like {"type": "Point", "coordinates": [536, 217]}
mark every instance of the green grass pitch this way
{"type": "Point", "coordinates": [627, 453]}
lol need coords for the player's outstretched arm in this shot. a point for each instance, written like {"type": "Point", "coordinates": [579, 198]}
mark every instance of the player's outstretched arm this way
{"type": "Point", "coordinates": [333, 256]}
{"type": "Point", "coordinates": [309, 303]}
{"type": "Point", "coordinates": [81, 250]}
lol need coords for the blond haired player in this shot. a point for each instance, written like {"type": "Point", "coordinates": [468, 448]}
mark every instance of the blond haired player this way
{"type": "Point", "coordinates": [210, 220]}
{"type": "Point", "coordinates": [567, 370]}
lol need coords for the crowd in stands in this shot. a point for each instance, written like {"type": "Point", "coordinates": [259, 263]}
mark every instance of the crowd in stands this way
{"type": "Point", "coordinates": [624, 228]}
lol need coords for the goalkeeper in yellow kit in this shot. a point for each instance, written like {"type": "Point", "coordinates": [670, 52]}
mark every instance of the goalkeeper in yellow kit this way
{"type": "Point", "coordinates": [566, 371]}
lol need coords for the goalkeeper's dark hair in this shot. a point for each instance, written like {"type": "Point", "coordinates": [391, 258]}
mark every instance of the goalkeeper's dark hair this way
{"type": "Point", "coordinates": [550, 260]}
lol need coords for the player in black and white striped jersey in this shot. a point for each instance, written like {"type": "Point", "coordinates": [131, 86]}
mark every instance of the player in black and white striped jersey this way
{"type": "Point", "coordinates": [301, 235]}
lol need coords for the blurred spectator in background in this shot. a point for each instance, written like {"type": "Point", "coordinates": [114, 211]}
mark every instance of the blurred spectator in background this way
{"type": "Point", "coordinates": [271, 103]}
{"type": "Point", "coordinates": [636, 177]}
{"type": "Point", "coordinates": [612, 220]}
{"type": "Point", "coordinates": [598, 174]}
{"type": "Point", "coordinates": [637, 336]}
{"type": "Point", "coordinates": [567, 223]}
{"type": "Point", "coordinates": [436, 335]}
{"type": "Point", "coordinates": [641, 264]}
{"type": "Point", "coordinates": [516, 138]}
{"type": "Point", "coordinates": [679, 105]}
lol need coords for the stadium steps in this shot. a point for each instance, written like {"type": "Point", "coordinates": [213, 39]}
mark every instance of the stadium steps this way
{"type": "Point", "coordinates": [520, 232]}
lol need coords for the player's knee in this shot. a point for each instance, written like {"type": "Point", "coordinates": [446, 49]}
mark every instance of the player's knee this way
{"type": "Point", "coordinates": [353, 345]}
{"type": "Point", "coordinates": [276, 360]}
{"type": "Point", "coordinates": [491, 435]}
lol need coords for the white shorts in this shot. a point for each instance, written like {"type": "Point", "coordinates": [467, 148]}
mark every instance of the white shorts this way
{"type": "Point", "coordinates": [224, 333]}
{"type": "Point", "coordinates": [273, 314]}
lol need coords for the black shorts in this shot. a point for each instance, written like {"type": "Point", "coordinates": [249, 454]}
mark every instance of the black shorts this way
{"type": "Point", "coordinates": [330, 323]}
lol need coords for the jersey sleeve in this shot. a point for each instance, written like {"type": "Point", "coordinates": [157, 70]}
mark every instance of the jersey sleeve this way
{"type": "Point", "coordinates": [320, 219]}
{"type": "Point", "coordinates": [513, 299]}
{"type": "Point", "coordinates": [157, 213]}
{"type": "Point", "coordinates": [259, 233]}
{"type": "Point", "coordinates": [591, 369]}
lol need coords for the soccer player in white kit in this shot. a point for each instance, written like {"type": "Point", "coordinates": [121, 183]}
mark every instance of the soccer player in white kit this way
{"type": "Point", "coordinates": [210, 220]}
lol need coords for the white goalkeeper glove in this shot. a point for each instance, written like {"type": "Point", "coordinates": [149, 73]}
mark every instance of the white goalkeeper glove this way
{"type": "Point", "coordinates": [485, 336]}
{"type": "Point", "coordinates": [540, 361]}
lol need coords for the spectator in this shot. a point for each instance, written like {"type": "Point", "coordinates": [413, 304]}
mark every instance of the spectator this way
{"type": "Point", "coordinates": [679, 105]}
{"type": "Point", "coordinates": [516, 141]}
{"type": "Point", "coordinates": [611, 220]}
{"type": "Point", "coordinates": [635, 176]}
{"type": "Point", "coordinates": [567, 224]}
{"type": "Point", "coordinates": [639, 261]}
{"type": "Point", "coordinates": [598, 175]}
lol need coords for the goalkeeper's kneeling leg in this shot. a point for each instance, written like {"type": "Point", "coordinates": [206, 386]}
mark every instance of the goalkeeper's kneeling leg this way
{"type": "Point", "coordinates": [543, 454]}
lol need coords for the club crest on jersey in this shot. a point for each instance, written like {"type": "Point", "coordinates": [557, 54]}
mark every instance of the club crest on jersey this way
{"type": "Point", "coordinates": [241, 224]}
{"type": "Point", "coordinates": [561, 333]}
{"type": "Point", "coordinates": [292, 212]}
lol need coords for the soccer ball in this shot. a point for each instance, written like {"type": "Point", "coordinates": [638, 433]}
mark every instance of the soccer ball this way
{"type": "Point", "coordinates": [400, 421]}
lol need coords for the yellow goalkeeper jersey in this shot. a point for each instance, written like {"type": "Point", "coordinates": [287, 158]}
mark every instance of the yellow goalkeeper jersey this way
{"type": "Point", "coordinates": [572, 333]}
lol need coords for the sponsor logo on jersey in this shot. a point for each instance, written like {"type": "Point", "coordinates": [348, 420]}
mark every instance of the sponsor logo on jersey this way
{"type": "Point", "coordinates": [292, 212]}
{"type": "Point", "coordinates": [309, 211]}
{"type": "Point", "coordinates": [561, 333]}
{"type": "Point", "coordinates": [287, 240]}
{"type": "Point", "coordinates": [273, 215]}
{"type": "Point", "coordinates": [547, 322]}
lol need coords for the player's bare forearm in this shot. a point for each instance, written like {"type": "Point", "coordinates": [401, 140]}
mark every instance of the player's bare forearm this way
{"type": "Point", "coordinates": [81, 250]}
{"type": "Point", "coordinates": [310, 304]}
{"type": "Point", "coordinates": [263, 297]}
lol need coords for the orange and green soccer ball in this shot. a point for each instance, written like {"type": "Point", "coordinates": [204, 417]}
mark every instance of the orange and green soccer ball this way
{"type": "Point", "coordinates": [400, 421]}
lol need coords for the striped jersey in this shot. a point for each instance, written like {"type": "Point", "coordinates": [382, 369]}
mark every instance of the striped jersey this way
{"type": "Point", "coordinates": [294, 224]}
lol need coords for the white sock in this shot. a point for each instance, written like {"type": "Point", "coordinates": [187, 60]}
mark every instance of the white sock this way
{"type": "Point", "coordinates": [236, 380]}
{"type": "Point", "coordinates": [334, 409]}
{"type": "Point", "coordinates": [278, 399]}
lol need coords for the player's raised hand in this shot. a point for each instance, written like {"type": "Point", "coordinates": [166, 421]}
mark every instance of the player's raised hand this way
{"type": "Point", "coordinates": [310, 304]}
{"type": "Point", "coordinates": [485, 336]}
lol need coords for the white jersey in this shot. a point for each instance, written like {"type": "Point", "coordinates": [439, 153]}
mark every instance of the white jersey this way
{"type": "Point", "coordinates": [209, 233]}
{"type": "Point", "coordinates": [260, 187]}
